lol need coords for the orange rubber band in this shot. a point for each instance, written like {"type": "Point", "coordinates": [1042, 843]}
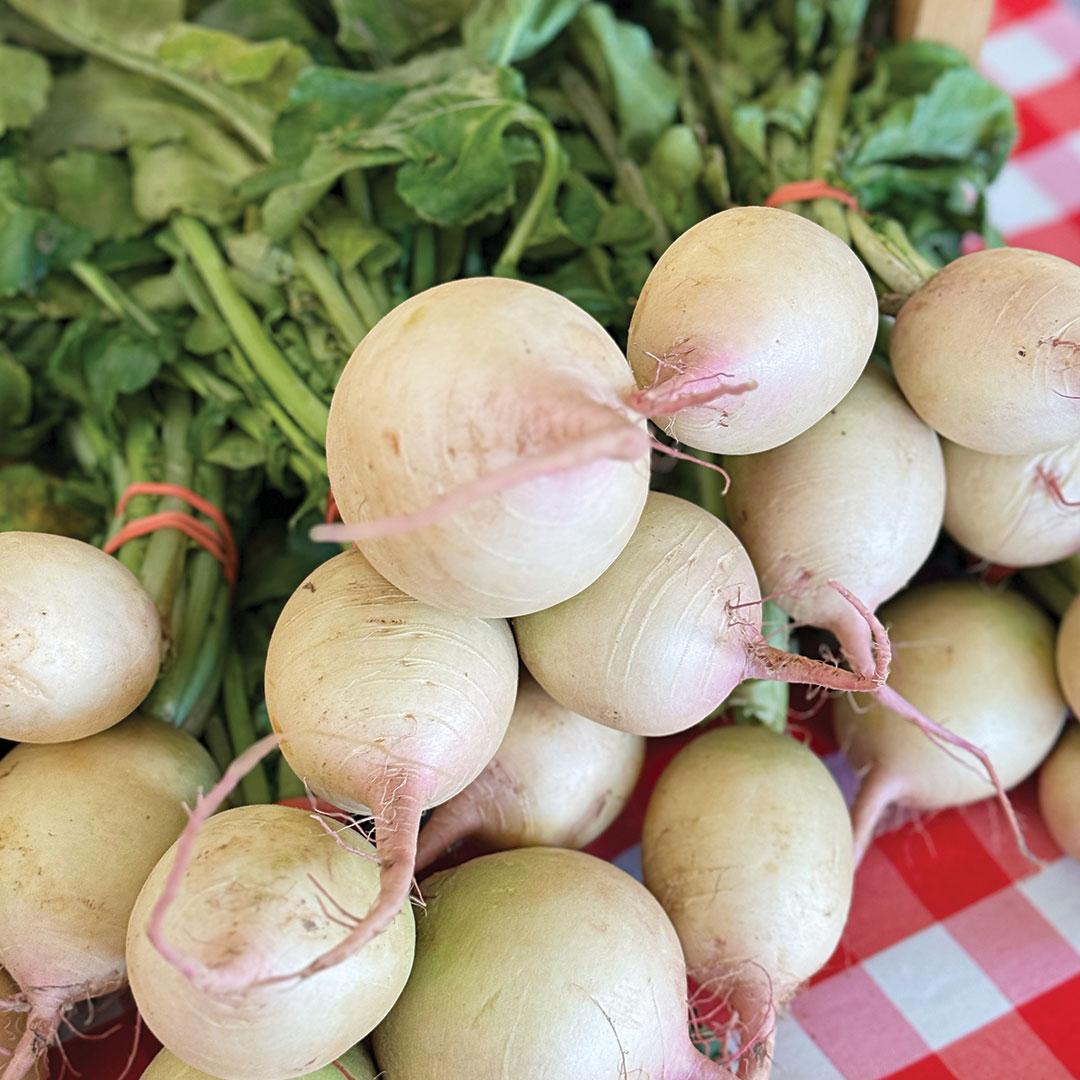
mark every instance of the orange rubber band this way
{"type": "Point", "coordinates": [801, 190]}
{"type": "Point", "coordinates": [216, 539]}
{"type": "Point", "coordinates": [332, 512]}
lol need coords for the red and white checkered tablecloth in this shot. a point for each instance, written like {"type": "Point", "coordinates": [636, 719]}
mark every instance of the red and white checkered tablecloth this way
{"type": "Point", "coordinates": [960, 961]}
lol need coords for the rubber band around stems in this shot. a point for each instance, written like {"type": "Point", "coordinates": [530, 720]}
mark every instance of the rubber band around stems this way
{"type": "Point", "coordinates": [216, 538]}
{"type": "Point", "coordinates": [802, 190]}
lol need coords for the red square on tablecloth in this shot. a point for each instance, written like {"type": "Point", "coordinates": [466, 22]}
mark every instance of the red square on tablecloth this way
{"type": "Point", "coordinates": [1055, 1018]}
{"type": "Point", "coordinates": [1006, 1047]}
{"type": "Point", "coordinates": [928, 1068]}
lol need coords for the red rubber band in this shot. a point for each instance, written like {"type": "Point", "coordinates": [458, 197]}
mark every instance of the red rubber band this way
{"type": "Point", "coordinates": [801, 190]}
{"type": "Point", "coordinates": [332, 512]}
{"type": "Point", "coordinates": [216, 539]}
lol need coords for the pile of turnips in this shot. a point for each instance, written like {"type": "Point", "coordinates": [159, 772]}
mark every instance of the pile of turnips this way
{"type": "Point", "coordinates": [515, 615]}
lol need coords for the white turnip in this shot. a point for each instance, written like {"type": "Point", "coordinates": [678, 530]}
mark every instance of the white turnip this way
{"type": "Point", "coordinates": [760, 301]}
{"type": "Point", "coordinates": [486, 419]}
{"type": "Point", "coordinates": [986, 351]}
{"type": "Point", "coordinates": [747, 845]}
{"type": "Point", "coordinates": [858, 498]}
{"type": "Point", "coordinates": [668, 631]}
{"type": "Point", "coordinates": [542, 962]}
{"type": "Point", "coordinates": [1014, 509]}
{"type": "Point", "coordinates": [1059, 792]}
{"type": "Point", "coordinates": [354, 1064]}
{"type": "Point", "coordinates": [557, 780]}
{"type": "Point", "coordinates": [80, 639]}
{"type": "Point", "coordinates": [260, 892]}
{"type": "Point", "coordinates": [82, 825]}
{"type": "Point", "coordinates": [982, 663]}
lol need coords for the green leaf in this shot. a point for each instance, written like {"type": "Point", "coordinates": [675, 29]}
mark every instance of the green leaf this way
{"type": "Point", "coordinates": [388, 30]}
{"type": "Point", "coordinates": [24, 87]}
{"type": "Point", "coordinates": [847, 19]}
{"type": "Point", "coordinates": [645, 95]}
{"type": "Point", "coordinates": [93, 191]}
{"type": "Point", "coordinates": [351, 240]}
{"type": "Point", "coordinates": [261, 20]}
{"type": "Point", "coordinates": [506, 31]}
{"type": "Point", "coordinates": [16, 390]}
{"type": "Point", "coordinates": [172, 178]}
{"type": "Point", "coordinates": [259, 256]}
{"type": "Point", "coordinates": [237, 451]}
{"type": "Point", "coordinates": [122, 360]}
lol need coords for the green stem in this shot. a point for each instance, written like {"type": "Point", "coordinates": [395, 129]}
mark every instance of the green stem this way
{"type": "Point", "coordinates": [201, 695]}
{"type": "Point", "coordinates": [216, 738]}
{"type": "Point", "coordinates": [1069, 569]}
{"type": "Point", "coordinates": [362, 294]}
{"type": "Point", "coordinates": [289, 785]}
{"type": "Point", "coordinates": [422, 274]}
{"type": "Point", "coordinates": [306, 408]}
{"type": "Point", "coordinates": [543, 193]}
{"type": "Point", "coordinates": [112, 296]}
{"type": "Point", "coordinates": [710, 488]}
{"type": "Point", "coordinates": [1052, 590]}
{"type": "Point", "coordinates": [888, 252]}
{"type": "Point", "coordinates": [594, 115]}
{"type": "Point", "coordinates": [255, 787]}
{"type": "Point", "coordinates": [338, 306]}
{"type": "Point", "coordinates": [826, 137]}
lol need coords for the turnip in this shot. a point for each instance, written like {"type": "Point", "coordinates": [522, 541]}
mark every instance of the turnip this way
{"type": "Point", "coordinates": [260, 892]}
{"type": "Point", "coordinates": [1067, 655]}
{"type": "Point", "coordinates": [1014, 509]}
{"type": "Point", "coordinates": [1059, 792]}
{"type": "Point", "coordinates": [982, 663]}
{"type": "Point", "coordinates": [668, 631]}
{"type": "Point", "coordinates": [747, 845]}
{"type": "Point", "coordinates": [756, 299]}
{"type": "Point", "coordinates": [385, 705]}
{"type": "Point", "coordinates": [556, 780]}
{"type": "Point", "coordinates": [541, 962]}
{"type": "Point", "coordinates": [985, 351]}
{"type": "Point", "coordinates": [858, 498]}
{"type": "Point", "coordinates": [354, 1064]}
{"type": "Point", "coordinates": [83, 824]}
{"type": "Point", "coordinates": [80, 639]}
{"type": "Point", "coordinates": [495, 390]}
{"type": "Point", "coordinates": [12, 1026]}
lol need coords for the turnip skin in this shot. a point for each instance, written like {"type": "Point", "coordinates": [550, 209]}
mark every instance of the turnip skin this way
{"type": "Point", "coordinates": [475, 379]}
{"type": "Point", "coordinates": [1059, 792]}
{"type": "Point", "coordinates": [747, 845]}
{"type": "Point", "coordinates": [80, 639]}
{"type": "Point", "coordinates": [557, 780]}
{"type": "Point", "coordinates": [69, 881]}
{"type": "Point", "coordinates": [12, 1026]}
{"type": "Point", "coordinates": [1067, 656]}
{"type": "Point", "coordinates": [986, 351]}
{"type": "Point", "coordinates": [1014, 509]}
{"type": "Point", "coordinates": [858, 498]}
{"type": "Point", "coordinates": [252, 900]}
{"type": "Point", "coordinates": [667, 632]}
{"type": "Point", "coordinates": [768, 299]}
{"type": "Point", "coordinates": [981, 662]}
{"type": "Point", "coordinates": [355, 1063]}
{"type": "Point", "coordinates": [385, 704]}
{"type": "Point", "coordinates": [542, 962]}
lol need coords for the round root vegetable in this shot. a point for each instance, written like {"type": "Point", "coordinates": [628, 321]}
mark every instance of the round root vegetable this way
{"type": "Point", "coordinates": [669, 630]}
{"type": "Point", "coordinates": [1059, 792]}
{"type": "Point", "coordinates": [858, 498]}
{"type": "Point", "coordinates": [980, 661]}
{"type": "Point", "coordinates": [758, 300]}
{"type": "Point", "coordinates": [747, 845]}
{"type": "Point", "coordinates": [385, 705]}
{"type": "Point", "coordinates": [988, 351]}
{"type": "Point", "coordinates": [556, 780]}
{"type": "Point", "coordinates": [487, 416]}
{"type": "Point", "coordinates": [83, 823]}
{"type": "Point", "coordinates": [1067, 656]}
{"type": "Point", "coordinates": [1014, 509]}
{"type": "Point", "coordinates": [80, 640]}
{"type": "Point", "coordinates": [13, 1025]}
{"type": "Point", "coordinates": [542, 962]}
{"type": "Point", "coordinates": [263, 891]}
{"type": "Point", "coordinates": [354, 1064]}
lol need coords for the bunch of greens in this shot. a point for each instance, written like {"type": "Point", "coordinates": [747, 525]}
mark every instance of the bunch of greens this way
{"type": "Point", "coordinates": [205, 206]}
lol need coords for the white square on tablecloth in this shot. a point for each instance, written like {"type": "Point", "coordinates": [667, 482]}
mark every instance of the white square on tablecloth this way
{"type": "Point", "coordinates": [1055, 891]}
{"type": "Point", "coordinates": [941, 991]}
{"type": "Point", "coordinates": [1019, 61]}
{"type": "Point", "coordinates": [1016, 203]}
{"type": "Point", "coordinates": [798, 1057]}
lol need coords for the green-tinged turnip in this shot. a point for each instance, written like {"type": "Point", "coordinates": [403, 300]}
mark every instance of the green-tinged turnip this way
{"type": "Point", "coordinates": [557, 780]}
{"type": "Point", "coordinates": [354, 1064]}
{"type": "Point", "coordinates": [266, 890]}
{"type": "Point", "coordinates": [747, 845]}
{"type": "Point", "coordinates": [1059, 792]}
{"type": "Point", "coordinates": [988, 351]}
{"type": "Point", "coordinates": [81, 826]}
{"type": "Point", "coordinates": [759, 301]}
{"type": "Point", "coordinates": [80, 639]}
{"type": "Point", "coordinates": [542, 962]}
